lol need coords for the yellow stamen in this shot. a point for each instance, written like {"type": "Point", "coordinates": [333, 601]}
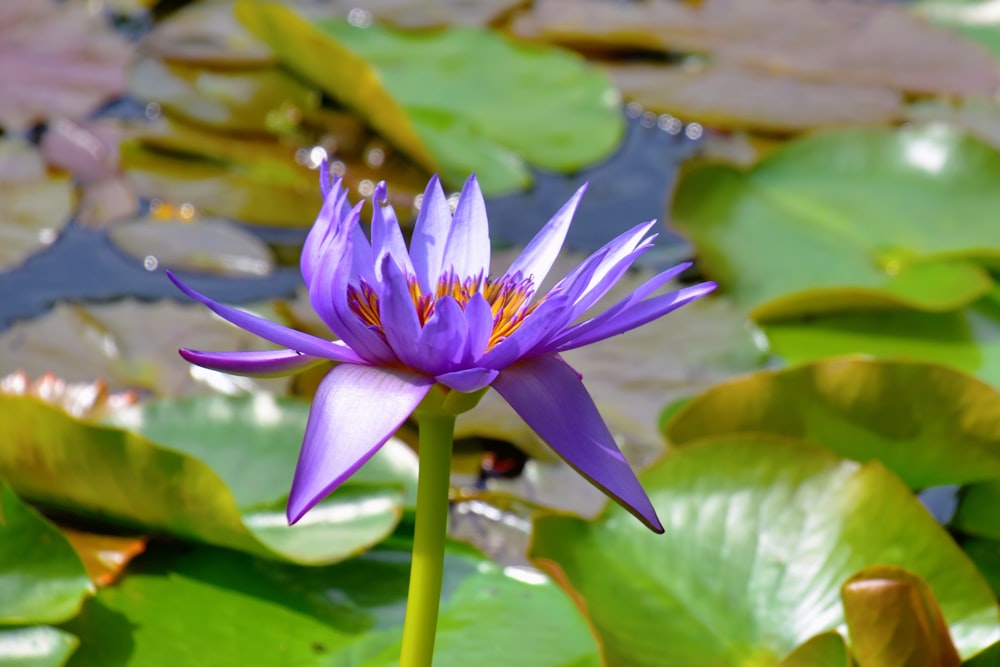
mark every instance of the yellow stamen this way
{"type": "Point", "coordinates": [508, 301]}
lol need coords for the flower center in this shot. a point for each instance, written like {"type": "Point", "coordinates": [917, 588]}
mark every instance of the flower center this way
{"type": "Point", "coordinates": [508, 299]}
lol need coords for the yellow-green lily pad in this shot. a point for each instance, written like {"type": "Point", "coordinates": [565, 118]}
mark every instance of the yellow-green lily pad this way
{"type": "Point", "coordinates": [930, 424]}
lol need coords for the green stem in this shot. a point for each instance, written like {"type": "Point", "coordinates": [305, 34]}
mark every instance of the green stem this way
{"type": "Point", "coordinates": [436, 439]}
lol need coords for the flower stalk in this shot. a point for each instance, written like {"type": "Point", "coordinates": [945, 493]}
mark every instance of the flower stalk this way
{"type": "Point", "coordinates": [436, 436]}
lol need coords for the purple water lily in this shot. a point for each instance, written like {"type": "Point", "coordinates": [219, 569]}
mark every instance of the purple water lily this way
{"type": "Point", "coordinates": [410, 319]}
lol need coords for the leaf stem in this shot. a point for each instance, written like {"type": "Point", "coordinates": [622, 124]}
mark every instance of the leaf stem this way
{"type": "Point", "coordinates": [436, 440]}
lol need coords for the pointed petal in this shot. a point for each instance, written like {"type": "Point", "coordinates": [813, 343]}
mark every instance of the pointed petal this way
{"type": "Point", "coordinates": [546, 322]}
{"type": "Point", "coordinates": [277, 334]}
{"type": "Point", "coordinates": [538, 256]}
{"type": "Point", "coordinates": [334, 207]}
{"type": "Point", "coordinates": [467, 252]}
{"type": "Point", "coordinates": [639, 314]}
{"type": "Point", "coordinates": [268, 363]}
{"type": "Point", "coordinates": [399, 316]}
{"type": "Point", "coordinates": [635, 297]}
{"type": "Point", "coordinates": [328, 295]}
{"type": "Point", "coordinates": [355, 410]}
{"type": "Point", "coordinates": [430, 234]}
{"type": "Point", "coordinates": [550, 397]}
{"type": "Point", "coordinates": [442, 343]}
{"type": "Point", "coordinates": [387, 237]}
{"type": "Point", "coordinates": [615, 258]}
{"type": "Point", "coordinates": [479, 316]}
{"type": "Point", "coordinates": [469, 379]}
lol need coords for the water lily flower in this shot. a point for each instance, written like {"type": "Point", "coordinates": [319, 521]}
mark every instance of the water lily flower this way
{"type": "Point", "coordinates": [433, 315]}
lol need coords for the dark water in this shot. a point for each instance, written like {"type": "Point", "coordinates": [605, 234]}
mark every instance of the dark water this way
{"type": "Point", "coordinates": [628, 188]}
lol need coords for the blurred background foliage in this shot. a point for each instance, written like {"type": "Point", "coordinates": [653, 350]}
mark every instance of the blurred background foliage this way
{"type": "Point", "coordinates": [821, 438]}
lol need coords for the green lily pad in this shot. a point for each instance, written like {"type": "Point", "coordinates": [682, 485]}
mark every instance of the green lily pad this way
{"type": "Point", "coordinates": [760, 534]}
{"type": "Point", "coordinates": [36, 646]}
{"type": "Point", "coordinates": [850, 220]}
{"type": "Point", "coordinates": [826, 649]}
{"type": "Point", "coordinates": [978, 510]}
{"type": "Point", "coordinates": [986, 555]}
{"type": "Point", "coordinates": [945, 433]}
{"type": "Point", "coordinates": [41, 578]}
{"type": "Point", "coordinates": [233, 495]}
{"type": "Point", "coordinates": [967, 339]}
{"type": "Point", "coordinates": [458, 100]}
{"type": "Point", "coordinates": [174, 609]}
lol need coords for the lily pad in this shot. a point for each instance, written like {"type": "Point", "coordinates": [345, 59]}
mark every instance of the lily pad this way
{"type": "Point", "coordinates": [208, 246]}
{"type": "Point", "coordinates": [946, 433]}
{"type": "Point", "coordinates": [877, 219]}
{"type": "Point", "coordinates": [168, 611]}
{"type": "Point", "coordinates": [41, 578]}
{"type": "Point", "coordinates": [68, 62]}
{"type": "Point", "coordinates": [231, 498]}
{"type": "Point", "coordinates": [36, 646]}
{"type": "Point", "coordinates": [254, 100]}
{"type": "Point", "coordinates": [738, 97]}
{"type": "Point", "coordinates": [760, 534]}
{"type": "Point", "coordinates": [975, 20]}
{"type": "Point", "coordinates": [770, 65]}
{"type": "Point", "coordinates": [533, 104]}
{"type": "Point", "coordinates": [979, 510]}
{"type": "Point", "coordinates": [986, 555]}
{"type": "Point", "coordinates": [131, 345]}
{"type": "Point", "coordinates": [827, 649]}
{"type": "Point", "coordinates": [34, 206]}
{"type": "Point", "coordinates": [254, 179]}
{"type": "Point", "coordinates": [967, 339]}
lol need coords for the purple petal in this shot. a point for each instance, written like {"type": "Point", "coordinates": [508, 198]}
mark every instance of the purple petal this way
{"type": "Point", "coordinates": [277, 334]}
{"type": "Point", "coordinates": [328, 295]}
{"type": "Point", "coordinates": [468, 380]}
{"type": "Point", "coordinates": [467, 252]}
{"type": "Point", "coordinates": [479, 316]}
{"type": "Point", "coordinates": [441, 345]}
{"type": "Point", "coordinates": [545, 322]}
{"type": "Point", "coordinates": [550, 397]}
{"type": "Point", "coordinates": [399, 315]}
{"type": "Point", "coordinates": [537, 258]}
{"type": "Point", "coordinates": [615, 258]}
{"type": "Point", "coordinates": [355, 410]}
{"type": "Point", "coordinates": [387, 237]}
{"type": "Point", "coordinates": [430, 234]}
{"type": "Point", "coordinates": [334, 206]}
{"type": "Point", "coordinates": [324, 177]}
{"type": "Point", "coordinates": [266, 363]}
{"type": "Point", "coordinates": [638, 314]}
{"type": "Point", "coordinates": [635, 297]}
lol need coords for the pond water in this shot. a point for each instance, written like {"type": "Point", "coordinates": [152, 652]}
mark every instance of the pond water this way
{"type": "Point", "coordinates": [82, 265]}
